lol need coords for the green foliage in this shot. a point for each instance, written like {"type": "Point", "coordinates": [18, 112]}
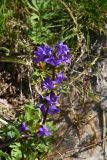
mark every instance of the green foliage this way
{"type": "Point", "coordinates": [52, 21]}
{"type": "Point", "coordinates": [32, 116]}
{"type": "Point", "coordinates": [16, 152]}
{"type": "Point", "coordinates": [40, 31]}
{"type": "Point", "coordinates": [42, 147]}
{"type": "Point", "coordinates": [4, 15]}
{"type": "Point", "coordinates": [39, 74]}
{"type": "Point", "coordinates": [48, 22]}
{"type": "Point", "coordinates": [30, 147]}
{"type": "Point", "coordinates": [8, 11]}
{"type": "Point", "coordinates": [4, 155]}
{"type": "Point", "coordinates": [13, 36]}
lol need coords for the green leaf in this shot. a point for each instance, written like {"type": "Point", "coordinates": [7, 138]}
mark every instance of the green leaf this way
{"type": "Point", "coordinates": [15, 145]}
{"type": "Point", "coordinates": [30, 6]}
{"type": "Point", "coordinates": [16, 153]}
{"type": "Point", "coordinates": [35, 4]}
{"type": "Point", "coordinates": [4, 155]}
{"type": "Point", "coordinates": [13, 132]}
{"type": "Point", "coordinates": [35, 17]}
{"type": "Point", "coordinates": [31, 114]}
{"type": "Point", "coordinates": [42, 148]}
{"type": "Point", "coordinates": [12, 60]}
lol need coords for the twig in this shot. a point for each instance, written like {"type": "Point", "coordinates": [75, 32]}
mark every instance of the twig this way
{"type": "Point", "coordinates": [81, 149]}
{"type": "Point", "coordinates": [4, 122]}
{"type": "Point", "coordinates": [89, 146]}
{"type": "Point", "coordinates": [62, 158]}
{"type": "Point", "coordinates": [69, 129]}
{"type": "Point", "coordinates": [70, 12]}
{"type": "Point", "coordinates": [104, 134]}
{"type": "Point", "coordinates": [66, 132]}
{"type": "Point", "coordinates": [30, 87]}
{"type": "Point", "coordinates": [85, 71]}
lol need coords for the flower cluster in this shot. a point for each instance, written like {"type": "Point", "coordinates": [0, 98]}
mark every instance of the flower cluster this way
{"type": "Point", "coordinates": [50, 100]}
{"type": "Point", "coordinates": [49, 84]}
{"type": "Point", "coordinates": [49, 103]}
{"type": "Point", "coordinates": [45, 54]}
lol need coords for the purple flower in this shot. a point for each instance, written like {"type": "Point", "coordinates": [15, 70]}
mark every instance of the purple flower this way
{"type": "Point", "coordinates": [52, 99]}
{"type": "Point", "coordinates": [51, 60]}
{"type": "Point", "coordinates": [42, 108]}
{"type": "Point", "coordinates": [44, 131]}
{"type": "Point", "coordinates": [47, 84]}
{"type": "Point", "coordinates": [43, 52]}
{"type": "Point", "coordinates": [66, 59]}
{"type": "Point", "coordinates": [62, 49]}
{"type": "Point", "coordinates": [23, 127]}
{"type": "Point", "coordinates": [59, 78]}
{"type": "Point", "coordinates": [53, 110]}
{"type": "Point", "coordinates": [54, 62]}
{"type": "Point", "coordinates": [38, 59]}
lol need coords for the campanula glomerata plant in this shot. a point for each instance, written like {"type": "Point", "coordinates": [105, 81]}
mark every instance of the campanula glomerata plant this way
{"type": "Point", "coordinates": [31, 135]}
{"type": "Point", "coordinates": [53, 58]}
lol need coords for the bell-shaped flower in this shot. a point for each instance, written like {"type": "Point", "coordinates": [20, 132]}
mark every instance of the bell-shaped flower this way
{"type": "Point", "coordinates": [42, 108]}
{"type": "Point", "coordinates": [52, 99]}
{"type": "Point", "coordinates": [44, 131]}
{"type": "Point", "coordinates": [62, 49]}
{"type": "Point", "coordinates": [42, 52]}
{"type": "Point", "coordinates": [66, 59]}
{"type": "Point", "coordinates": [23, 127]}
{"type": "Point", "coordinates": [59, 78]}
{"type": "Point", "coordinates": [53, 61]}
{"type": "Point", "coordinates": [53, 110]}
{"type": "Point", "coordinates": [47, 84]}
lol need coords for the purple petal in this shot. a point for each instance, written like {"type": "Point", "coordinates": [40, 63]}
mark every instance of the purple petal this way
{"type": "Point", "coordinates": [44, 131]}
{"type": "Point", "coordinates": [51, 60]}
{"type": "Point", "coordinates": [62, 48]}
{"type": "Point", "coordinates": [52, 98]}
{"type": "Point", "coordinates": [43, 50]}
{"type": "Point", "coordinates": [42, 108]}
{"type": "Point", "coordinates": [59, 78]}
{"type": "Point", "coordinates": [53, 110]}
{"type": "Point", "coordinates": [23, 127]}
{"type": "Point", "coordinates": [65, 58]}
{"type": "Point", "coordinates": [47, 84]}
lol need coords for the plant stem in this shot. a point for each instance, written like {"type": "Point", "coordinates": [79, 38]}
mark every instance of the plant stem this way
{"type": "Point", "coordinates": [45, 116]}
